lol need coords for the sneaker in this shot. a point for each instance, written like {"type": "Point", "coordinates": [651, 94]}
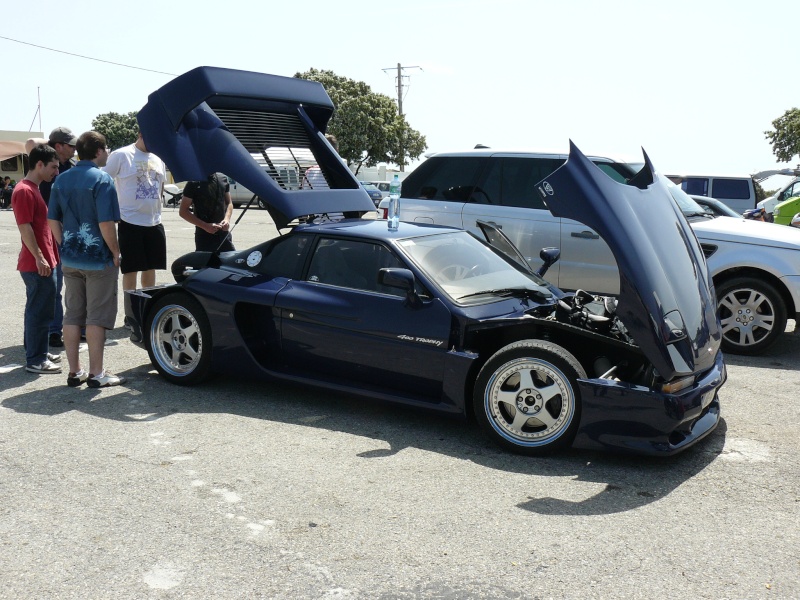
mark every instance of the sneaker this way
{"type": "Point", "coordinates": [44, 368]}
{"type": "Point", "coordinates": [56, 341]}
{"type": "Point", "coordinates": [54, 358]}
{"type": "Point", "coordinates": [76, 379]}
{"type": "Point", "coordinates": [105, 379]}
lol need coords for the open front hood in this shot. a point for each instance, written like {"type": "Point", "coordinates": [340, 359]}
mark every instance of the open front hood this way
{"type": "Point", "coordinates": [264, 131]}
{"type": "Point", "coordinates": [666, 295]}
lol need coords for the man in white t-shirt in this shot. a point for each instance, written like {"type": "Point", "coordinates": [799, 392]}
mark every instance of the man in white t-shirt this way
{"type": "Point", "coordinates": [139, 176]}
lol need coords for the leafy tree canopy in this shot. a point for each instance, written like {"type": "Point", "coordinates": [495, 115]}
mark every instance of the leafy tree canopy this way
{"type": "Point", "coordinates": [367, 124]}
{"type": "Point", "coordinates": [785, 138]}
{"type": "Point", "coordinates": [119, 130]}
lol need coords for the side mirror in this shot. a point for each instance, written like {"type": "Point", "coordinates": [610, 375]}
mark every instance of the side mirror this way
{"type": "Point", "coordinates": [401, 279]}
{"type": "Point", "coordinates": [549, 257]}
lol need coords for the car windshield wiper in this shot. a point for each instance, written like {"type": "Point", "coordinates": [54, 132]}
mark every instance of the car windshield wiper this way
{"type": "Point", "coordinates": [512, 292]}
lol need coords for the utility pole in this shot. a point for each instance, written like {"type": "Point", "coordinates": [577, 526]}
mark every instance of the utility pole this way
{"type": "Point", "coordinates": [399, 78]}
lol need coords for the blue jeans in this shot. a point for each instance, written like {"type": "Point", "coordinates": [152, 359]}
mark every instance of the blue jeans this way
{"type": "Point", "coordinates": [58, 317]}
{"type": "Point", "coordinates": [39, 308]}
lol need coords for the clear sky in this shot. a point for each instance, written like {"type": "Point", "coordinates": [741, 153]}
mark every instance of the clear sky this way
{"type": "Point", "coordinates": [696, 83]}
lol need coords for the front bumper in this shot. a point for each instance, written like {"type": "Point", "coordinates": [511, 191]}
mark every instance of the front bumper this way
{"type": "Point", "coordinates": [621, 416]}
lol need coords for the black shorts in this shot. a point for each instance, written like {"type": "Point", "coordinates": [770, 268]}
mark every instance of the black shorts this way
{"type": "Point", "coordinates": [210, 242]}
{"type": "Point", "coordinates": [142, 248]}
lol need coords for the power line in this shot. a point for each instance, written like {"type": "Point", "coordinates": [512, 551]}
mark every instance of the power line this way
{"type": "Point", "coordinates": [2, 37]}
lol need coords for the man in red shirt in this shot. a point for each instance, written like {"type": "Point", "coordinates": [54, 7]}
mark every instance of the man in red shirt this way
{"type": "Point", "coordinates": [37, 259]}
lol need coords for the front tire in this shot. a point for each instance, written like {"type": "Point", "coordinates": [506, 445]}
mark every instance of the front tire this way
{"type": "Point", "coordinates": [178, 339]}
{"type": "Point", "coordinates": [752, 314]}
{"type": "Point", "coordinates": [527, 399]}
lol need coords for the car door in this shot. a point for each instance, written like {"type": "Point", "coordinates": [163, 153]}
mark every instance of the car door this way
{"type": "Point", "coordinates": [339, 325]}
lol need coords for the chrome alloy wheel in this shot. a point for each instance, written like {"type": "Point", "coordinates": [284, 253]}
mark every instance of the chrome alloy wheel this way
{"type": "Point", "coordinates": [177, 340]}
{"type": "Point", "coordinates": [530, 402]}
{"type": "Point", "coordinates": [747, 316]}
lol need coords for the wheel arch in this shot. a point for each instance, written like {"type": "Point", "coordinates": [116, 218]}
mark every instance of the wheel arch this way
{"type": "Point", "coordinates": [792, 306]}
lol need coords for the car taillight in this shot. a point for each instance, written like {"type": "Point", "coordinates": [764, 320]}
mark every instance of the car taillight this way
{"type": "Point", "coordinates": [383, 213]}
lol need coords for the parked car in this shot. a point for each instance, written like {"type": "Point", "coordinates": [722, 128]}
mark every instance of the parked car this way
{"type": "Point", "coordinates": [784, 211]}
{"type": "Point", "coordinates": [430, 316]}
{"type": "Point", "coordinates": [790, 190]}
{"type": "Point", "coordinates": [737, 192]}
{"type": "Point", "coordinates": [715, 207]}
{"type": "Point", "coordinates": [383, 186]}
{"type": "Point", "coordinates": [373, 192]}
{"type": "Point", "coordinates": [755, 266]}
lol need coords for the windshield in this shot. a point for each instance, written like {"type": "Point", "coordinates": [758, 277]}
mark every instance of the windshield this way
{"type": "Point", "coordinates": [370, 187]}
{"type": "Point", "coordinates": [462, 266]}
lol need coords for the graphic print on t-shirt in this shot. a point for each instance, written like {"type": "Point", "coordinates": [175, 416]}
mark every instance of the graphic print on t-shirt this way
{"type": "Point", "coordinates": [146, 179]}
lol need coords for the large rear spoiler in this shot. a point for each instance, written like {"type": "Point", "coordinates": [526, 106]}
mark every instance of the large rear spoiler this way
{"type": "Point", "coordinates": [264, 131]}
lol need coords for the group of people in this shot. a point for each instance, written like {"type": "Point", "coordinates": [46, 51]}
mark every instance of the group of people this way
{"type": "Point", "coordinates": [83, 222]}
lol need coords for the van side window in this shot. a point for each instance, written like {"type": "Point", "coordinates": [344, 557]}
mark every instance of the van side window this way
{"type": "Point", "coordinates": [444, 178]}
{"type": "Point", "coordinates": [731, 189]}
{"type": "Point", "coordinates": [695, 185]}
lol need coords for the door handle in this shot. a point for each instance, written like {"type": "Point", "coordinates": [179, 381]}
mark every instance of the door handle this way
{"type": "Point", "coordinates": [586, 235]}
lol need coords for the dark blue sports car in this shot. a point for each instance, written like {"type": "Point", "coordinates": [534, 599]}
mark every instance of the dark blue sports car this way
{"type": "Point", "coordinates": [425, 315]}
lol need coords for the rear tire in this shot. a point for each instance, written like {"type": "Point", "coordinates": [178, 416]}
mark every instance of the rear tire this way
{"type": "Point", "coordinates": [527, 399]}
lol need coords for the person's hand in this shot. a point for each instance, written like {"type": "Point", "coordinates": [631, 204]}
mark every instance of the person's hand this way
{"type": "Point", "coordinates": [117, 259]}
{"type": "Point", "coordinates": [43, 267]}
{"type": "Point", "coordinates": [224, 225]}
{"type": "Point", "coordinates": [211, 227]}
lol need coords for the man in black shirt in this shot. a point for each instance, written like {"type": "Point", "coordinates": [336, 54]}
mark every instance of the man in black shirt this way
{"type": "Point", "coordinates": [211, 209]}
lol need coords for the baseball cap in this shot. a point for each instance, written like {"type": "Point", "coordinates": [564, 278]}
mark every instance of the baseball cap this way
{"type": "Point", "coordinates": [63, 135]}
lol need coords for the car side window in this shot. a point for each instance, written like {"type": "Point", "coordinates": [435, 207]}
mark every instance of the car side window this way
{"type": "Point", "coordinates": [284, 257]}
{"type": "Point", "coordinates": [352, 264]}
{"type": "Point", "coordinates": [444, 178]}
{"type": "Point", "coordinates": [520, 176]}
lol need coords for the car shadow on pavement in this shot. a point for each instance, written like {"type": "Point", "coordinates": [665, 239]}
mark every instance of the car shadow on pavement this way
{"type": "Point", "coordinates": [784, 355]}
{"type": "Point", "coordinates": [628, 481]}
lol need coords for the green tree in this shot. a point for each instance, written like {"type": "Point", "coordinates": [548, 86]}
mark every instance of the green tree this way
{"type": "Point", "coordinates": [366, 124]}
{"type": "Point", "coordinates": [785, 138]}
{"type": "Point", "coordinates": [119, 130]}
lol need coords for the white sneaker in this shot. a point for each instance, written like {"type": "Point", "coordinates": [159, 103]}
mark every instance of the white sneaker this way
{"type": "Point", "coordinates": [53, 358]}
{"type": "Point", "coordinates": [105, 379]}
{"type": "Point", "coordinates": [44, 368]}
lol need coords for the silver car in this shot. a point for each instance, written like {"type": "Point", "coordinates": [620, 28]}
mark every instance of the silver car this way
{"type": "Point", "coordinates": [755, 266]}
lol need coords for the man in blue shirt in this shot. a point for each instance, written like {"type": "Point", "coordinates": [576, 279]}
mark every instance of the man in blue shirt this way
{"type": "Point", "coordinates": [82, 213]}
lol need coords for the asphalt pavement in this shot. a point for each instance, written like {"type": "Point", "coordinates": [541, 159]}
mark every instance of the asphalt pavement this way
{"type": "Point", "coordinates": [243, 489]}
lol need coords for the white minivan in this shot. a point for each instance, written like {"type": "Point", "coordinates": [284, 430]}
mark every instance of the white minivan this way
{"type": "Point", "coordinates": [739, 193]}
